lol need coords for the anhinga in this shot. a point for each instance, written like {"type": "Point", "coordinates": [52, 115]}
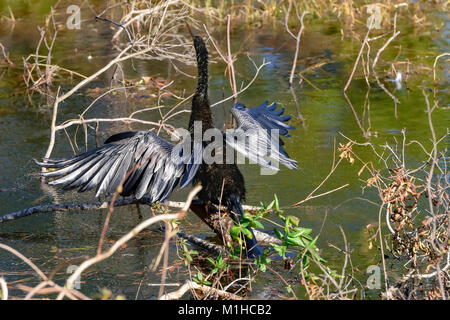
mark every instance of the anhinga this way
{"type": "Point", "coordinates": [146, 162]}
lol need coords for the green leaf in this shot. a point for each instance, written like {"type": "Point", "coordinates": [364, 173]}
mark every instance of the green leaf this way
{"type": "Point", "coordinates": [277, 205]}
{"type": "Point", "coordinates": [294, 220]}
{"type": "Point", "coordinates": [305, 261]}
{"type": "Point", "coordinates": [270, 206]}
{"type": "Point", "coordinates": [280, 249]}
{"type": "Point", "coordinates": [289, 289]}
{"type": "Point", "coordinates": [235, 231]}
{"type": "Point", "coordinates": [278, 234]}
{"type": "Point", "coordinates": [312, 246]}
{"type": "Point", "coordinates": [258, 224]}
{"type": "Point", "coordinates": [247, 233]}
{"type": "Point", "coordinates": [299, 231]}
{"type": "Point", "coordinates": [295, 242]}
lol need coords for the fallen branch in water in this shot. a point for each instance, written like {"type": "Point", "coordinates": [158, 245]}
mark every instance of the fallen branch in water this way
{"type": "Point", "coordinates": [206, 290]}
{"type": "Point", "coordinates": [213, 221]}
{"type": "Point", "coordinates": [93, 206]}
{"type": "Point", "coordinates": [206, 245]}
{"type": "Point", "coordinates": [262, 238]}
{"type": "Point", "coordinates": [66, 207]}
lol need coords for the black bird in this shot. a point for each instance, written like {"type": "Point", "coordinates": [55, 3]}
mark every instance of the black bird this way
{"type": "Point", "coordinates": [149, 164]}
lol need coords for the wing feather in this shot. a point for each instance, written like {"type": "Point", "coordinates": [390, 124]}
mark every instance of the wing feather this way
{"type": "Point", "coordinates": [258, 134]}
{"type": "Point", "coordinates": [142, 161]}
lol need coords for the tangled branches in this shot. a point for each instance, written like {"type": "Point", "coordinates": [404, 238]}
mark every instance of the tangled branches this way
{"type": "Point", "coordinates": [417, 215]}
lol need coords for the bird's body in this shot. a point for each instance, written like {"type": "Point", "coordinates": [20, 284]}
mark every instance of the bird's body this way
{"type": "Point", "coordinates": [219, 180]}
{"type": "Point", "coordinates": [222, 183]}
{"type": "Point", "coordinates": [136, 163]}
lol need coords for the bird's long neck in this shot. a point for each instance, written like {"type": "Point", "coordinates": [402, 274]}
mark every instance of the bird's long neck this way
{"type": "Point", "coordinates": [200, 103]}
{"type": "Point", "coordinates": [202, 66]}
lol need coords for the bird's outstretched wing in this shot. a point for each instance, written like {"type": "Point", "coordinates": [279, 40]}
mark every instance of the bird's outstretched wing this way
{"type": "Point", "coordinates": [141, 160]}
{"type": "Point", "coordinates": [258, 136]}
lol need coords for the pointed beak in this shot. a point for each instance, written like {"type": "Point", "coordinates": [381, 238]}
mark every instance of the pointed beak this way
{"type": "Point", "coordinates": [189, 29]}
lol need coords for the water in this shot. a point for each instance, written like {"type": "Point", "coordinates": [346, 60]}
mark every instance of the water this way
{"type": "Point", "coordinates": [58, 240]}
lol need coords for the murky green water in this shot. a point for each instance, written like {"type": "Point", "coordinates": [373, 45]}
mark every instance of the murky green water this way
{"type": "Point", "coordinates": [55, 241]}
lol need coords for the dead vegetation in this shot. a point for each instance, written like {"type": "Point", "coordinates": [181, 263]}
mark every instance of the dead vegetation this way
{"type": "Point", "coordinates": [415, 204]}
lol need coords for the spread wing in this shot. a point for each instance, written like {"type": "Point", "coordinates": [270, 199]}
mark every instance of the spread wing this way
{"type": "Point", "coordinates": [258, 136]}
{"type": "Point", "coordinates": [141, 160]}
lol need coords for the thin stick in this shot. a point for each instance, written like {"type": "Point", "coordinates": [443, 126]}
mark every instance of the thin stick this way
{"type": "Point", "coordinates": [359, 56]}
{"type": "Point", "coordinates": [383, 260]}
{"type": "Point", "coordinates": [4, 288]}
{"type": "Point", "coordinates": [52, 127]}
{"type": "Point", "coordinates": [231, 73]}
{"type": "Point", "coordinates": [320, 195]}
{"type": "Point", "coordinates": [297, 39]}
{"type": "Point", "coordinates": [311, 195]}
{"type": "Point", "coordinates": [435, 62]}
{"type": "Point", "coordinates": [394, 35]}
{"type": "Point", "coordinates": [258, 69]}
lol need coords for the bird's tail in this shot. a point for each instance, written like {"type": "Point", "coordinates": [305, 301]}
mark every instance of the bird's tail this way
{"type": "Point", "coordinates": [234, 205]}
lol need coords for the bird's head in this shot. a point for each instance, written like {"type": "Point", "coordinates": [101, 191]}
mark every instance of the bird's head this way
{"type": "Point", "coordinates": [202, 63]}
{"type": "Point", "coordinates": [199, 44]}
